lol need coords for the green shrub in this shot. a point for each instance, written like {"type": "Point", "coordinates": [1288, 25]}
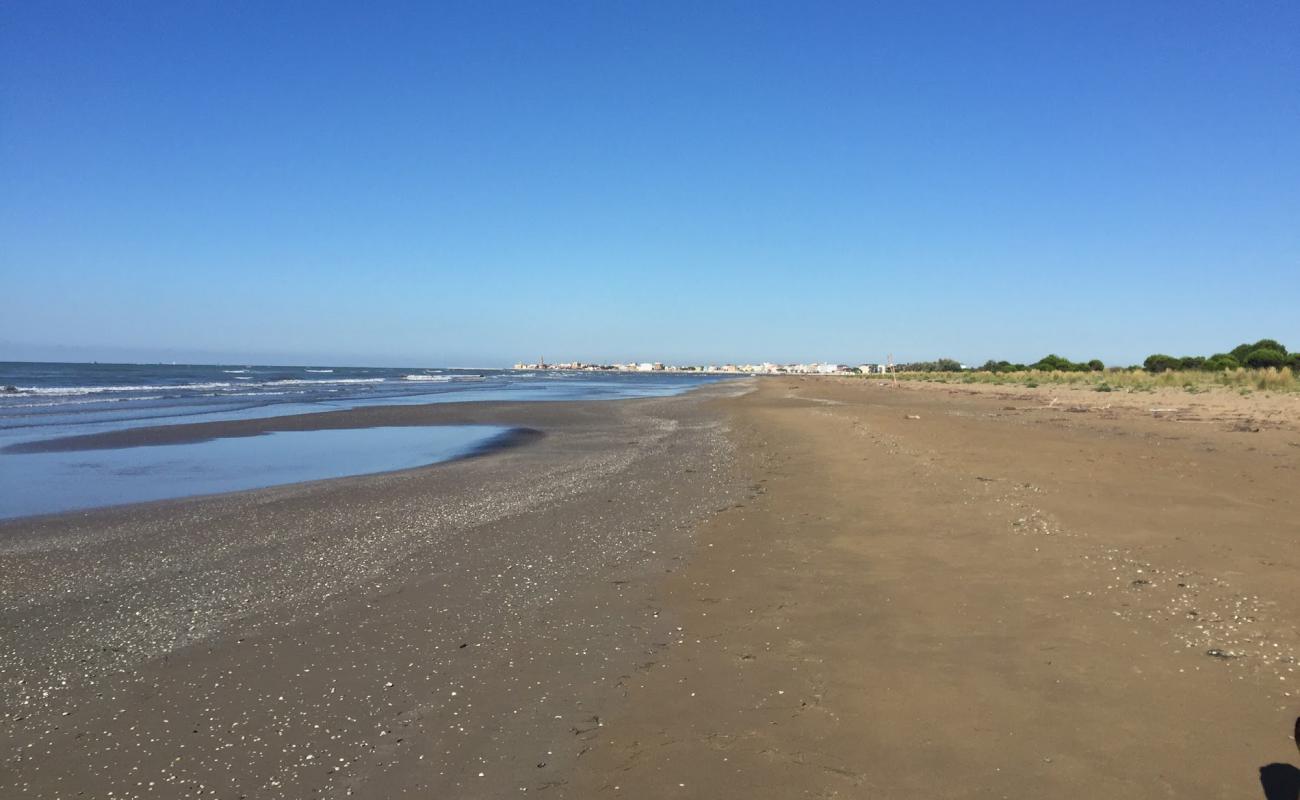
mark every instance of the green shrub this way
{"type": "Point", "coordinates": [1054, 363]}
{"type": "Point", "coordinates": [1219, 362]}
{"type": "Point", "coordinates": [1266, 357]}
{"type": "Point", "coordinates": [1159, 362]}
{"type": "Point", "coordinates": [1242, 351]}
{"type": "Point", "coordinates": [999, 367]}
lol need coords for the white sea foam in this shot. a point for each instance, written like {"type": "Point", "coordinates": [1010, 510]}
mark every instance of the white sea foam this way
{"type": "Point", "coordinates": [255, 394]}
{"type": "Point", "coordinates": [86, 401]}
{"type": "Point", "coordinates": [76, 391]}
{"type": "Point", "coordinates": [319, 381]}
{"type": "Point", "coordinates": [441, 378]}
{"type": "Point", "coordinates": [320, 370]}
{"type": "Point", "coordinates": [72, 391]}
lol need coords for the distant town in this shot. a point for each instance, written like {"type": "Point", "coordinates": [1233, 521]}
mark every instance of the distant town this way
{"type": "Point", "coordinates": [766, 368]}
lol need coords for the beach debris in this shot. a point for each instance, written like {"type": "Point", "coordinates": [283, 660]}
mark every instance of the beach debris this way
{"type": "Point", "coordinates": [912, 416]}
{"type": "Point", "coordinates": [1215, 652]}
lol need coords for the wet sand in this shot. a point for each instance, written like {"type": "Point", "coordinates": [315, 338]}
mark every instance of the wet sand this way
{"type": "Point", "coordinates": [380, 634]}
{"type": "Point", "coordinates": [820, 588]}
{"type": "Point", "coordinates": [524, 417]}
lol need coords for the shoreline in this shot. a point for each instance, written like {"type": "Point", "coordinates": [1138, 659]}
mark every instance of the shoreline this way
{"type": "Point", "coordinates": [520, 418]}
{"type": "Point", "coordinates": [527, 415]}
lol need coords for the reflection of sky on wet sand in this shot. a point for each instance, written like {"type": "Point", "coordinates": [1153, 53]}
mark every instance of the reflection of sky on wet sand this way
{"type": "Point", "coordinates": [42, 483]}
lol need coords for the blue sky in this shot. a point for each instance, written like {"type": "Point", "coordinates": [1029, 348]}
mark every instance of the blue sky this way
{"type": "Point", "coordinates": [485, 182]}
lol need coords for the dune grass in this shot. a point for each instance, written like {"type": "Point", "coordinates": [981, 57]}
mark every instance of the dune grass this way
{"type": "Point", "coordinates": [1241, 379]}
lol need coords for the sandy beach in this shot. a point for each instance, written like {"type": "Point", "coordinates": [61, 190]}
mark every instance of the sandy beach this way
{"type": "Point", "coordinates": [783, 587]}
{"type": "Point", "coordinates": [947, 593]}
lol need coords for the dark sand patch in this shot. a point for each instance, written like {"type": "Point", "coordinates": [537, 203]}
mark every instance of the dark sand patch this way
{"type": "Point", "coordinates": [410, 629]}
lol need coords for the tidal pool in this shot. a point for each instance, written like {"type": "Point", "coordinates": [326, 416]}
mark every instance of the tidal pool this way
{"type": "Point", "coordinates": [44, 483]}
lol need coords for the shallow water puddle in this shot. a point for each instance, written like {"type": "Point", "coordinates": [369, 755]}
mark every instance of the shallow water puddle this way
{"type": "Point", "coordinates": [43, 483]}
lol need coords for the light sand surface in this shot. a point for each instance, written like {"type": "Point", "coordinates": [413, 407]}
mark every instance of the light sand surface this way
{"type": "Point", "coordinates": [1220, 407]}
{"type": "Point", "coordinates": [939, 595]}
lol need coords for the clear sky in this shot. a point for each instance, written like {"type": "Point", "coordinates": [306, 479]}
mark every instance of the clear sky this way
{"type": "Point", "coordinates": [482, 182]}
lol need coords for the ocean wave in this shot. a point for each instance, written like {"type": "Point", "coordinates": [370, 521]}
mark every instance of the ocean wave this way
{"type": "Point", "coordinates": [319, 381]}
{"type": "Point", "coordinates": [256, 394]}
{"type": "Point", "coordinates": [77, 391]}
{"type": "Point", "coordinates": [234, 371]}
{"type": "Point", "coordinates": [73, 391]}
{"type": "Point", "coordinates": [441, 378]}
{"type": "Point", "coordinates": [319, 370]}
{"type": "Point", "coordinates": [87, 401]}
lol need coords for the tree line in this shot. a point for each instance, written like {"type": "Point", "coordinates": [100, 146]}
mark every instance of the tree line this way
{"type": "Point", "coordinates": [1257, 355]}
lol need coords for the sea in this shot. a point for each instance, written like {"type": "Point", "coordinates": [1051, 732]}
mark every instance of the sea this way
{"type": "Point", "coordinates": [53, 400]}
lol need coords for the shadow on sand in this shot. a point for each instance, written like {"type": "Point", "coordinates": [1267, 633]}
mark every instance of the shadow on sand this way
{"type": "Point", "coordinates": [1281, 781]}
